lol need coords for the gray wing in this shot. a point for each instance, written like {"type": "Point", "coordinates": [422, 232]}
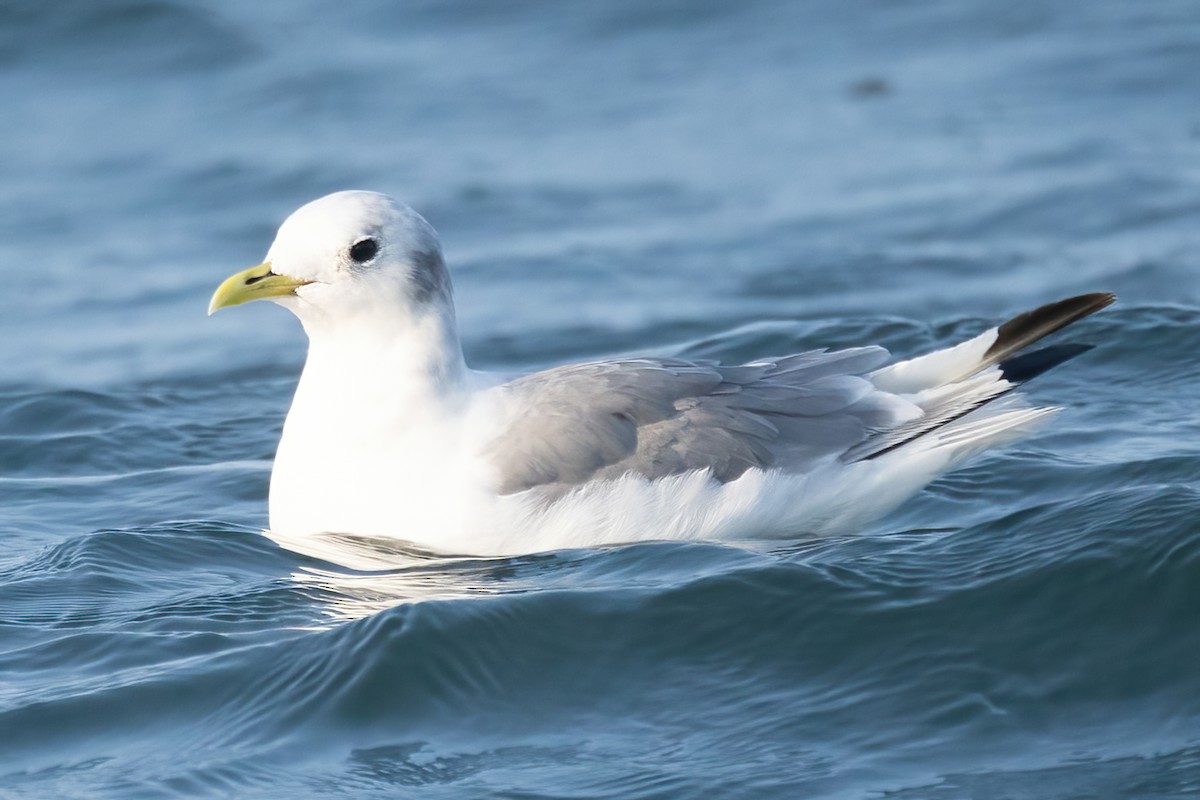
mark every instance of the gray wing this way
{"type": "Point", "coordinates": [659, 417]}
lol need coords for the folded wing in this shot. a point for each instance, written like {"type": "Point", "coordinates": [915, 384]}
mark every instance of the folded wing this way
{"type": "Point", "coordinates": [660, 417]}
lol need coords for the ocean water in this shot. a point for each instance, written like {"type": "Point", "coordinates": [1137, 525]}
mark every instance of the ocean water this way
{"type": "Point", "coordinates": [705, 179]}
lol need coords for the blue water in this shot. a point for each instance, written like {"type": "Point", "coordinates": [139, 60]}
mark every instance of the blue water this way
{"type": "Point", "coordinates": [710, 179]}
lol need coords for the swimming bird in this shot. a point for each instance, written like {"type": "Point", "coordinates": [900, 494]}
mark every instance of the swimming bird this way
{"type": "Point", "coordinates": [391, 435]}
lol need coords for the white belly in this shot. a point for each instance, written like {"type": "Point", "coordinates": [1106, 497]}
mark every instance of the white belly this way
{"type": "Point", "coordinates": [415, 484]}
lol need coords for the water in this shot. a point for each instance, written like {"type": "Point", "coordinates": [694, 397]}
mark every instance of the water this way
{"type": "Point", "coordinates": [699, 178]}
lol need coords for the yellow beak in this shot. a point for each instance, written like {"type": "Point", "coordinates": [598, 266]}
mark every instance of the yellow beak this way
{"type": "Point", "coordinates": [256, 283]}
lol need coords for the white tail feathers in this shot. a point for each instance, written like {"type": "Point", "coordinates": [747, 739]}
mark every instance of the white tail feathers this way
{"type": "Point", "coordinates": [937, 368]}
{"type": "Point", "coordinates": [956, 388]}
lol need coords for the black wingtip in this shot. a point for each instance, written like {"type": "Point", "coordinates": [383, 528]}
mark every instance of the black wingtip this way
{"type": "Point", "coordinates": [1025, 329]}
{"type": "Point", "coordinates": [1027, 366]}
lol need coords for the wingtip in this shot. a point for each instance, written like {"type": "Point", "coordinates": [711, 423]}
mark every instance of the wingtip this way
{"type": "Point", "coordinates": [1027, 366]}
{"type": "Point", "coordinates": [1025, 329]}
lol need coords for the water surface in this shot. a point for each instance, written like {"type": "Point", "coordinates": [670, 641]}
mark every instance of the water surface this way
{"type": "Point", "coordinates": [704, 179]}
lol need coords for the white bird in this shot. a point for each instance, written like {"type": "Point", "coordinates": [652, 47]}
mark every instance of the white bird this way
{"type": "Point", "coordinates": [391, 435]}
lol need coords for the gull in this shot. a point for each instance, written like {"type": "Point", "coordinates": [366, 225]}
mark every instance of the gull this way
{"type": "Point", "coordinates": [391, 436]}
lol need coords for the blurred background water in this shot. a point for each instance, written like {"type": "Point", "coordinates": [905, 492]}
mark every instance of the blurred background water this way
{"type": "Point", "coordinates": [698, 178]}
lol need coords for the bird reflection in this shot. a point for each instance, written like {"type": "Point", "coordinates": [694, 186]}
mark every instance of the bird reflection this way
{"type": "Point", "coordinates": [364, 575]}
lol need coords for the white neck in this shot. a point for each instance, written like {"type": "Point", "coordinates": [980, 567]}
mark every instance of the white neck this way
{"type": "Point", "coordinates": [398, 363]}
{"type": "Point", "coordinates": [376, 413]}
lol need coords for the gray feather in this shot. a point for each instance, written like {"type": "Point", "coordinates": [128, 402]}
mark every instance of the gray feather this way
{"type": "Point", "coordinates": [659, 417]}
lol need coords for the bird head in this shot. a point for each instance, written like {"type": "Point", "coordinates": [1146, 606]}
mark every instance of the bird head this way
{"type": "Point", "coordinates": [348, 256]}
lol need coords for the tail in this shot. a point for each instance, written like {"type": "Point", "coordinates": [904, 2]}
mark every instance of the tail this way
{"type": "Point", "coordinates": [955, 388]}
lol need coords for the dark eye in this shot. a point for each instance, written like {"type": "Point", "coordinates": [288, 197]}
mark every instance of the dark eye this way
{"type": "Point", "coordinates": [364, 251]}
